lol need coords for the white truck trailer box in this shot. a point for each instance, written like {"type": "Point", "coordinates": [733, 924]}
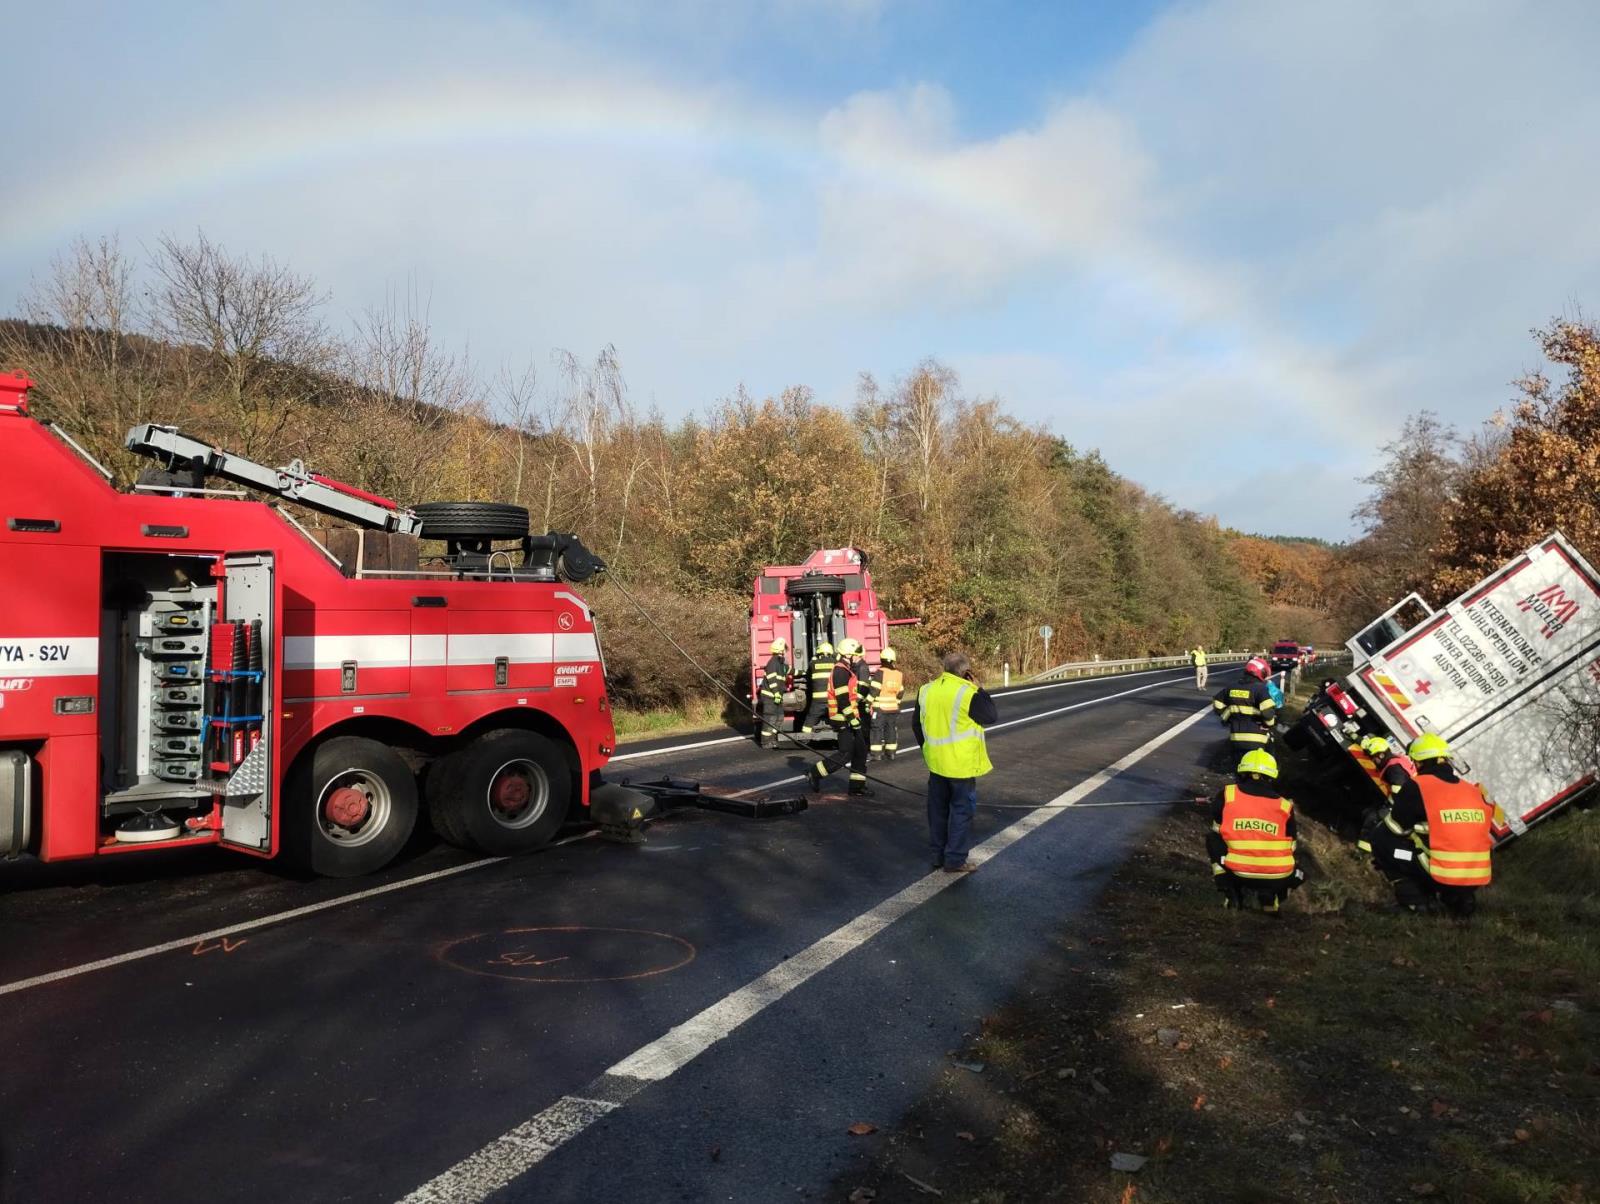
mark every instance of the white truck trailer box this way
{"type": "Point", "coordinates": [1498, 673]}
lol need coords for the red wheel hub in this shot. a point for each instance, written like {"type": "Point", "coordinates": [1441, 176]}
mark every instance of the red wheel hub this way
{"type": "Point", "coordinates": [511, 792]}
{"type": "Point", "coordinates": [348, 807]}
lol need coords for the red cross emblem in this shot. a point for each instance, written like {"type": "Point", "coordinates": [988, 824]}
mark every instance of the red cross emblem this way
{"type": "Point", "coordinates": [1423, 686]}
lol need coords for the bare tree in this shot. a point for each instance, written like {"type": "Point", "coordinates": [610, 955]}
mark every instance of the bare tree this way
{"type": "Point", "coordinates": [516, 406]}
{"type": "Point", "coordinates": [919, 417]}
{"type": "Point", "coordinates": [257, 323]}
{"type": "Point", "coordinates": [595, 398]}
{"type": "Point", "coordinates": [398, 374]}
{"type": "Point", "coordinates": [80, 348]}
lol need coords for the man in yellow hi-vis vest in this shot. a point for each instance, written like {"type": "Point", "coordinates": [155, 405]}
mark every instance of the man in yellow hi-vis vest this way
{"type": "Point", "coordinates": [1197, 658]}
{"type": "Point", "coordinates": [952, 711]}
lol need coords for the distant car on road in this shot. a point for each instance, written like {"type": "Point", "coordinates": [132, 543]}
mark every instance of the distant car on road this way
{"type": "Point", "coordinates": [1286, 656]}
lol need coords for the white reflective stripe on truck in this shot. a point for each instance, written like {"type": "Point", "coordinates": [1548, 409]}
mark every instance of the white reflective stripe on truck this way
{"type": "Point", "coordinates": [49, 656]}
{"type": "Point", "coordinates": [302, 652]}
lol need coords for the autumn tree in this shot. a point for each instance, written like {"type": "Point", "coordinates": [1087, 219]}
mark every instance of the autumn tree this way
{"type": "Point", "coordinates": [1545, 473]}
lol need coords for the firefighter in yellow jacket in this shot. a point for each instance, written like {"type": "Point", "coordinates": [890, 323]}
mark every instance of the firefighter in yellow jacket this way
{"type": "Point", "coordinates": [1252, 840]}
{"type": "Point", "coordinates": [884, 693]}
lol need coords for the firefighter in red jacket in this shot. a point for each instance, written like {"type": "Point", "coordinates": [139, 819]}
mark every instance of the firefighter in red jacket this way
{"type": "Point", "coordinates": [1248, 709]}
{"type": "Point", "coordinates": [848, 716]}
{"type": "Point", "coordinates": [1443, 839]}
{"type": "Point", "coordinates": [885, 691]}
{"type": "Point", "coordinates": [774, 679]}
{"type": "Point", "coordinates": [1252, 839]}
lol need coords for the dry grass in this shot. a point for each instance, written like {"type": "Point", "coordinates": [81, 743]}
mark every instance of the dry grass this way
{"type": "Point", "coordinates": [1341, 1053]}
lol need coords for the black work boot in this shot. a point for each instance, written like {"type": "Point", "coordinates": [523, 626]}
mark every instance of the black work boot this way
{"type": "Point", "coordinates": [814, 777]}
{"type": "Point", "coordinates": [862, 789]}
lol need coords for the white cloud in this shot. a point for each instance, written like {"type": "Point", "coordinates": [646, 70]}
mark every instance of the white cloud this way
{"type": "Point", "coordinates": [1264, 233]}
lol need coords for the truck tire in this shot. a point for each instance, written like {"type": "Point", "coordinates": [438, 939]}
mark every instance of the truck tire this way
{"type": "Point", "coordinates": [801, 587]}
{"type": "Point", "coordinates": [349, 808]}
{"type": "Point", "coordinates": [505, 793]}
{"type": "Point", "coordinates": [472, 520]}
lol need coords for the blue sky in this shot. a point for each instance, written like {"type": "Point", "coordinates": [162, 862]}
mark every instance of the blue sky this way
{"type": "Point", "coordinates": [1229, 242]}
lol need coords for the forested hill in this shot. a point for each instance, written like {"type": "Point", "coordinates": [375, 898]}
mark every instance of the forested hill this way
{"type": "Point", "coordinates": [983, 525]}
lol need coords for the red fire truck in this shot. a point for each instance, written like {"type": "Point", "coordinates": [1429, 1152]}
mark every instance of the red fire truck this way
{"type": "Point", "coordinates": [183, 665]}
{"type": "Point", "coordinates": [824, 600]}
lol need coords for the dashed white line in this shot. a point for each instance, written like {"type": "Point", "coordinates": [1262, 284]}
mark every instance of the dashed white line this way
{"type": "Point", "coordinates": [479, 1175]}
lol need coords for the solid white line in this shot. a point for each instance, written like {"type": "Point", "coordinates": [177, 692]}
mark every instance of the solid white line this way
{"type": "Point", "coordinates": [659, 752]}
{"type": "Point", "coordinates": [1012, 693]}
{"type": "Point", "coordinates": [1077, 706]}
{"type": "Point", "coordinates": [489, 1169]}
{"type": "Point", "coordinates": [279, 917]}
{"type": "Point", "coordinates": [327, 904]}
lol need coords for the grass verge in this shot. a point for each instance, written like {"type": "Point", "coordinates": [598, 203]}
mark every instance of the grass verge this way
{"type": "Point", "coordinates": [1340, 1053]}
{"type": "Point", "coordinates": [699, 715]}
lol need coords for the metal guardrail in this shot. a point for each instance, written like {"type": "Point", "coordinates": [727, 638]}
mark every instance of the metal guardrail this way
{"type": "Point", "coordinates": [1095, 668]}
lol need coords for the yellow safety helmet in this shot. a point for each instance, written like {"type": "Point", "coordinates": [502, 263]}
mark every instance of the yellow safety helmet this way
{"type": "Point", "coordinates": [887, 656]}
{"type": "Point", "coordinates": [779, 646]}
{"type": "Point", "coordinates": [824, 649]}
{"type": "Point", "coordinates": [1430, 746]}
{"type": "Point", "coordinates": [1259, 761]}
{"type": "Point", "coordinates": [1375, 746]}
{"type": "Point", "coordinates": [849, 647]}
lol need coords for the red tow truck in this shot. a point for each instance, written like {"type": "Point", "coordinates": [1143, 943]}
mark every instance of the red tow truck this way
{"type": "Point", "coordinates": [827, 599]}
{"type": "Point", "coordinates": [181, 664]}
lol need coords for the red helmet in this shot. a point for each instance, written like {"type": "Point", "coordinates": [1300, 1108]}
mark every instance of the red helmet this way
{"type": "Point", "coordinates": [1258, 668]}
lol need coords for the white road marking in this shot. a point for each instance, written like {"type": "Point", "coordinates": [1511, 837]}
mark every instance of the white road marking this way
{"type": "Point", "coordinates": [279, 917]}
{"type": "Point", "coordinates": [1055, 685]}
{"type": "Point", "coordinates": [481, 1174]}
{"type": "Point", "coordinates": [327, 904]}
{"type": "Point", "coordinates": [661, 752]}
{"type": "Point", "coordinates": [997, 727]}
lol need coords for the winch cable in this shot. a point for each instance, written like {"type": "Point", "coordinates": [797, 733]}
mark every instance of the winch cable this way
{"type": "Point", "coordinates": [734, 698]}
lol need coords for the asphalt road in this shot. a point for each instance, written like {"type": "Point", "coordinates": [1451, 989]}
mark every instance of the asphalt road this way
{"type": "Point", "coordinates": [747, 988]}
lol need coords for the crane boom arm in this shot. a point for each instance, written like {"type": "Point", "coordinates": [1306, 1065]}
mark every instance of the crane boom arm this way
{"type": "Point", "coordinates": [294, 482]}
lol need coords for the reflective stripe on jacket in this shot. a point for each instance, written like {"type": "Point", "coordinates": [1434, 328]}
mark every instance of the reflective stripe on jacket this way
{"type": "Point", "coordinates": [1256, 830]}
{"type": "Point", "coordinates": [821, 671]}
{"type": "Point", "coordinates": [774, 676]}
{"type": "Point", "coordinates": [1454, 844]}
{"type": "Point", "coordinates": [889, 686]}
{"type": "Point", "coordinates": [844, 701]}
{"type": "Point", "coordinates": [1248, 710]}
{"type": "Point", "coordinates": [952, 744]}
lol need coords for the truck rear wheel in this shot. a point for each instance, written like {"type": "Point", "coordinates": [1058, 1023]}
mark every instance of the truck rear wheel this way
{"type": "Point", "coordinates": [505, 793]}
{"type": "Point", "coordinates": [349, 809]}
